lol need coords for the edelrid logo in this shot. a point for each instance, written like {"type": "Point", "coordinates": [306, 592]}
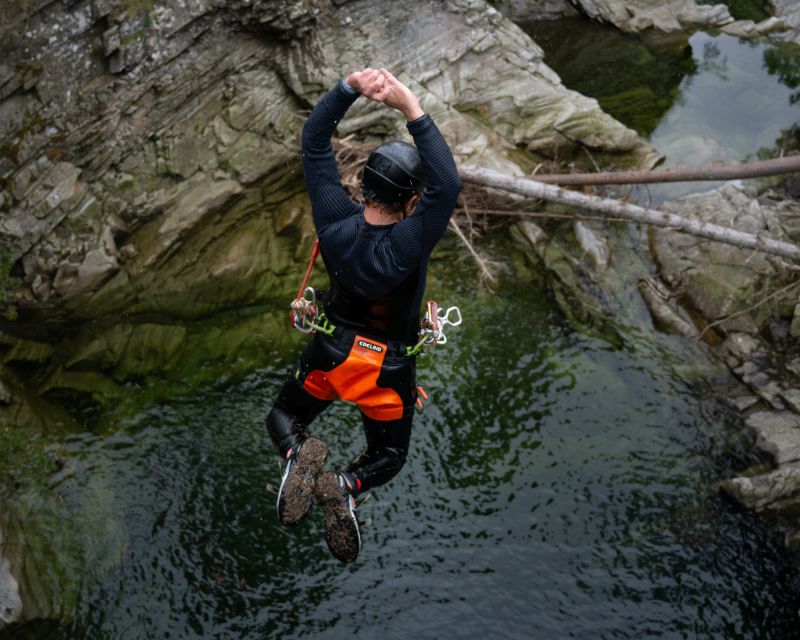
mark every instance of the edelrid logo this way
{"type": "Point", "coordinates": [369, 345]}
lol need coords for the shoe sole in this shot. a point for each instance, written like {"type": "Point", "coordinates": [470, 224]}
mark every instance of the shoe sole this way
{"type": "Point", "coordinates": [296, 494]}
{"type": "Point", "coordinates": [341, 526]}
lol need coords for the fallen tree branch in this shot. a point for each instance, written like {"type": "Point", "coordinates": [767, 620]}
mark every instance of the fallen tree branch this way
{"type": "Point", "coordinates": [534, 189]}
{"type": "Point", "coordinates": [486, 272]}
{"type": "Point", "coordinates": [758, 169]}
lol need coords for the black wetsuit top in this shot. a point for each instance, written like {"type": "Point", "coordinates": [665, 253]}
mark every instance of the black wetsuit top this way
{"type": "Point", "coordinates": [377, 272]}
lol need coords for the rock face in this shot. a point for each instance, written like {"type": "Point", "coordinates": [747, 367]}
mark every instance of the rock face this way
{"type": "Point", "coordinates": [719, 279]}
{"type": "Point", "coordinates": [10, 600]}
{"type": "Point", "coordinates": [759, 345]}
{"type": "Point", "coordinates": [788, 11]}
{"type": "Point", "coordinates": [628, 15]}
{"type": "Point", "coordinates": [530, 11]}
{"type": "Point", "coordinates": [669, 15]}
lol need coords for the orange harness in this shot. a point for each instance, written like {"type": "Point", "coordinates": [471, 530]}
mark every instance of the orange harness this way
{"type": "Point", "coordinates": [356, 380]}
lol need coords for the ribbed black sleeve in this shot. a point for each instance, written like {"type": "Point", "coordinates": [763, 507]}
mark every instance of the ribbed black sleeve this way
{"type": "Point", "coordinates": [373, 260]}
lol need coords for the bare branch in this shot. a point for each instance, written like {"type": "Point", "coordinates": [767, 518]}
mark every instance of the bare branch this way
{"type": "Point", "coordinates": [535, 189]}
{"type": "Point", "coordinates": [758, 169]}
{"type": "Point", "coordinates": [484, 265]}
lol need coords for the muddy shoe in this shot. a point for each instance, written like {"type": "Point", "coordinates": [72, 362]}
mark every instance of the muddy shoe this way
{"type": "Point", "coordinates": [296, 494]}
{"type": "Point", "coordinates": [341, 525]}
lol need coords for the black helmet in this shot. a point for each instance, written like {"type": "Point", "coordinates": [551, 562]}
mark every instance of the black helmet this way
{"type": "Point", "coordinates": [393, 173]}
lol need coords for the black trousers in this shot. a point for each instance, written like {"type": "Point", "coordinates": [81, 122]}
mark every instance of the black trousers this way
{"type": "Point", "coordinates": [376, 375]}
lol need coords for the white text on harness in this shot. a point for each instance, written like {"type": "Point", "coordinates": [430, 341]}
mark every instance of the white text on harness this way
{"type": "Point", "coordinates": [369, 345]}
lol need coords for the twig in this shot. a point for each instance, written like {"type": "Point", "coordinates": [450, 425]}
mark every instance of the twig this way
{"type": "Point", "coordinates": [789, 286]}
{"type": "Point", "coordinates": [591, 157]}
{"type": "Point", "coordinates": [486, 273]}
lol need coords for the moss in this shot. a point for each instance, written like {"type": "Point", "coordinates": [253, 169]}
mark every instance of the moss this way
{"type": "Point", "coordinates": [7, 285]}
{"type": "Point", "coordinates": [23, 457]}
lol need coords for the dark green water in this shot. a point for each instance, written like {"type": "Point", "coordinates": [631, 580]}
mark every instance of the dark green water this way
{"type": "Point", "coordinates": [559, 486]}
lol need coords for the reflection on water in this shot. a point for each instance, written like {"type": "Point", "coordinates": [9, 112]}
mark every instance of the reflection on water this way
{"type": "Point", "coordinates": [729, 100]}
{"type": "Point", "coordinates": [557, 487]}
{"type": "Point", "coordinates": [732, 107]}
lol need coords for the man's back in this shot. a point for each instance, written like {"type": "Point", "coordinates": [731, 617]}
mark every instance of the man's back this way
{"type": "Point", "coordinates": [371, 262]}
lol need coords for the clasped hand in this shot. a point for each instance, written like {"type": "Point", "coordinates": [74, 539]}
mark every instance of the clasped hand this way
{"type": "Point", "coordinates": [381, 86]}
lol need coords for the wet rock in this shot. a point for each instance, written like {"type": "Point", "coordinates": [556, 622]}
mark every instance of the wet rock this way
{"type": "Point", "coordinates": [672, 15]}
{"type": "Point", "coordinates": [742, 403]}
{"type": "Point", "coordinates": [5, 394]}
{"type": "Point", "coordinates": [742, 345]}
{"type": "Point", "coordinates": [530, 11]}
{"type": "Point", "coordinates": [718, 279]}
{"type": "Point", "coordinates": [532, 232]}
{"type": "Point", "coordinates": [770, 25]}
{"type": "Point", "coordinates": [789, 13]}
{"type": "Point", "coordinates": [794, 329]}
{"type": "Point", "coordinates": [778, 434]}
{"type": "Point", "coordinates": [740, 28]}
{"type": "Point", "coordinates": [594, 246]}
{"type": "Point", "coordinates": [792, 398]}
{"type": "Point", "coordinates": [10, 600]}
{"type": "Point", "coordinates": [762, 383]}
{"type": "Point", "coordinates": [750, 29]}
{"type": "Point", "coordinates": [664, 315]}
{"type": "Point", "coordinates": [578, 294]}
{"type": "Point", "coordinates": [96, 267]}
{"type": "Point", "coordinates": [773, 491]}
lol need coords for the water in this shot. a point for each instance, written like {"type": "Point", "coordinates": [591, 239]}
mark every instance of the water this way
{"type": "Point", "coordinates": [559, 486]}
{"type": "Point", "coordinates": [715, 98]}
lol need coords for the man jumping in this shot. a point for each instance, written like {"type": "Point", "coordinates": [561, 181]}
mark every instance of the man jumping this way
{"type": "Point", "coordinates": [376, 255]}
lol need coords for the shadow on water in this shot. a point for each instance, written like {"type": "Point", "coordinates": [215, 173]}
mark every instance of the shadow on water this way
{"type": "Point", "coordinates": [558, 486]}
{"type": "Point", "coordinates": [634, 80]}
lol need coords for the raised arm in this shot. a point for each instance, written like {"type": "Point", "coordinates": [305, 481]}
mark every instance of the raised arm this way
{"type": "Point", "coordinates": [414, 238]}
{"type": "Point", "coordinates": [329, 201]}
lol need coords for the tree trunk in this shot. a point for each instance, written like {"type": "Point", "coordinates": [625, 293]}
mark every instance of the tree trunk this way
{"type": "Point", "coordinates": [760, 169]}
{"type": "Point", "coordinates": [634, 213]}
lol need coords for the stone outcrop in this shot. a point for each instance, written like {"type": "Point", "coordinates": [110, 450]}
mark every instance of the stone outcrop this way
{"type": "Point", "coordinates": [532, 11]}
{"type": "Point", "coordinates": [10, 600]}
{"type": "Point", "coordinates": [788, 12]}
{"type": "Point", "coordinates": [664, 15]}
{"type": "Point", "coordinates": [628, 15]}
{"type": "Point", "coordinates": [758, 343]}
{"type": "Point", "coordinates": [716, 279]}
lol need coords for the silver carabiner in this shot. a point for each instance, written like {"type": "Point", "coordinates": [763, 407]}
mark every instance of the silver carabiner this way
{"type": "Point", "coordinates": [445, 319]}
{"type": "Point", "coordinates": [303, 308]}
